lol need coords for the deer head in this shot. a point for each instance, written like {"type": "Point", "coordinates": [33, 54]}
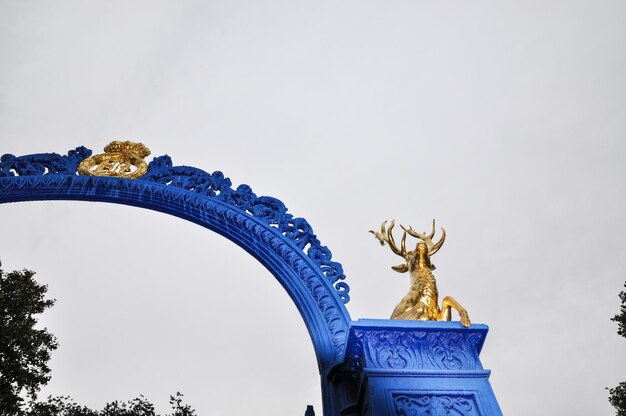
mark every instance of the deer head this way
{"type": "Point", "coordinates": [423, 249]}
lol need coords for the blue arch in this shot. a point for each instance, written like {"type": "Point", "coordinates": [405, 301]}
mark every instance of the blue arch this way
{"type": "Point", "coordinates": [261, 225]}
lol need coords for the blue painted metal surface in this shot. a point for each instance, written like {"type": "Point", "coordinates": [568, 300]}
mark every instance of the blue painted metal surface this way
{"type": "Point", "coordinates": [367, 368]}
{"type": "Point", "coordinates": [285, 244]}
{"type": "Point", "coordinates": [419, 368]}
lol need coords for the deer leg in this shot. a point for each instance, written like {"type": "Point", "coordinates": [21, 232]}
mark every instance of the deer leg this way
{"type": "Point", "coordinates": [446, 311]}
{"type": "Point", "coordinates": [449, 302]}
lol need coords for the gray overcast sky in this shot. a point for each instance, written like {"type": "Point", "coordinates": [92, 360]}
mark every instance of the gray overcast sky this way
{"type": "Point", "coordinates": [504, 120]}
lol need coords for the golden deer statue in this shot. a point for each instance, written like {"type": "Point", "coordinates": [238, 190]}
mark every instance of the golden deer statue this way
{"type": "Point", "coordinates": [421, 302]}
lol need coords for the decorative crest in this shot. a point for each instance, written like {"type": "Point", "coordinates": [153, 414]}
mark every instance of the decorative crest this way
{"type": "Point", "coordinates": [422, 301]}
{"type": "Point", "coordinates": [121, 159]}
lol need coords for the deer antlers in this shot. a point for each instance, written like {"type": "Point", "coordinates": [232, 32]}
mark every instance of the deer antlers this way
{"type": "Point", "coordinates": [432, 248]}
{"type": "Point", "coordinates": [386, 236]}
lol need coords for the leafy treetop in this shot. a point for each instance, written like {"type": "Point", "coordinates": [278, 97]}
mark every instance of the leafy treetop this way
{"type": "Point", "coordinates": [24, 349]}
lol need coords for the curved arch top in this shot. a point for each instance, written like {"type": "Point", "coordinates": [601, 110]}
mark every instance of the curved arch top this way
{"type": "Point", "coordinates": [261, 225]}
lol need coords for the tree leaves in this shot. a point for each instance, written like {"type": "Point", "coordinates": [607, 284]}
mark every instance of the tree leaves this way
{"type": "Point", "coordinates": [140, 406]}
{"type": "Point", "coordinates": [621, 317]}
{"type": "Point", "coordinates": [24, 350]}
{"type": "Point", "coordinates": [617, 395]}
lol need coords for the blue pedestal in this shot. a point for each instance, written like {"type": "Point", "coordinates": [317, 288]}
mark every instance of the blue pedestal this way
{"type": "Point", "coordinates": [415, 368]}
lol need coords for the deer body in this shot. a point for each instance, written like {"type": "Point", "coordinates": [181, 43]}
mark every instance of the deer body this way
{"type": "Point", "coordinates": [422, 300]}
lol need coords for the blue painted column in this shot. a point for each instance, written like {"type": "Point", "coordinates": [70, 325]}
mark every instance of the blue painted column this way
{"type": "Point", "coordinates": [415, 368]}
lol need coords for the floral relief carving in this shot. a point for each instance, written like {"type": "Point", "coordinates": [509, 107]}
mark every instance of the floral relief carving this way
{"type": "Point", "coordinates": [438, 350]}
{"type": "Point", "coordinates": [435, 405]}
{"type": "Point", "coordinates": [449, 351]}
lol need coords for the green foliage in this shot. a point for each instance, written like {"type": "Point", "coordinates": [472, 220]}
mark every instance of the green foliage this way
{"type": "Point", "coordinates": [58, 406]}
{"type": "Point", "coordinates": [617, 395]}
{"type": "Point", "coordinates": [136, 407]}
{"type": "Point", "coordinates": [24, 349]}
{"type": "Point", "coordinates": [64, 406]}
{"type": "Point", "coordinates": [179, 408]}
{"type": "Point", "coordinates": [25, 352]}
{"type": "Point", "coordinates": [621, 317]}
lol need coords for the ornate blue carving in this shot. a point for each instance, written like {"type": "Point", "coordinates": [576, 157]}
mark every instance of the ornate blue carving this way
{"type": "Point", "coordinates": [285, 244]}
{"type": "Point", "coordinates": [215, 185]}
{"type": "Point", "coordinates": [414, 348]}
{"type": "Point", "coordinates": [268, 209]}
{"type": "Point", "coordinates": [43, 163]}
{"type": "Point", "coordinates": [377, 367]}
{"type": "Point", "coordinates": [418, 368]}
{"type": "Point", "coordinates": [435, 405]}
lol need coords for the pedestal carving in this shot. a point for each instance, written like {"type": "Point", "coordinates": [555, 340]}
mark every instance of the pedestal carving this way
{"type": "Point", "coordinates": [434, 405]}
{"type": "Point", "coordinates": [419, 368]}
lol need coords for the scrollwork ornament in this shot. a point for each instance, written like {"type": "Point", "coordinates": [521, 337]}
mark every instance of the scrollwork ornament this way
{"type": "Point", "coordinates": [42, 163]}
{"type": "Point", "coordinates": [268, 209]}
{"type": "Point", "coordinates": [450, 351]}
{"type": "Point", "coordinates": [193, 194]}
{"type": "Point", "coordinates": [390, 349]}
{"type": "Point", "coordinates": [435, 405]}
{"type": "Point", "coordinates": [419, 350]}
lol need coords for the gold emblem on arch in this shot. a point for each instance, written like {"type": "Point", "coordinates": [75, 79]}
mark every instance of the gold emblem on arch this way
{"type": "Point", "coordinates": [120, 159]}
